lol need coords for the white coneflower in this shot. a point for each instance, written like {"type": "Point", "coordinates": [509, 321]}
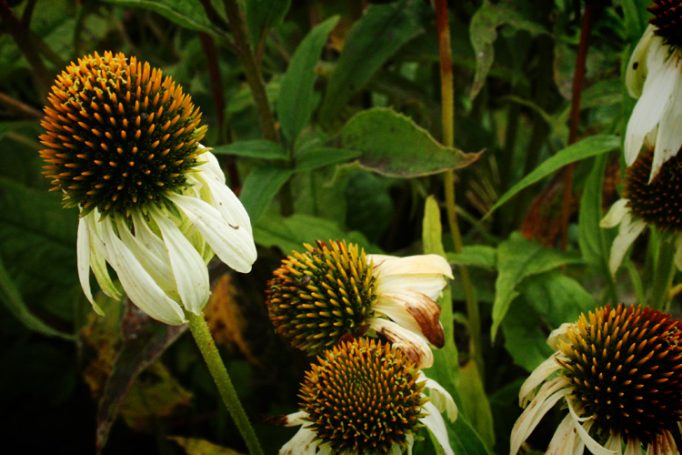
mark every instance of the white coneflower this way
{"type": "Point", "coordinates": [334, 290]}
{"type": "Point", "coordinates": [619, 372]}
{"type": "Point", "coordinates": [654, 75]}
{"type": "Point", "coordinates": [364, 396]}
{"type": "Point", "coordinates": [122, 144]}
{"type": "Point", "coordinates": [657, 203]}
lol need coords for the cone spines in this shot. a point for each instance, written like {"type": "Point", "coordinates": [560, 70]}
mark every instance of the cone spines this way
{"type": "Point", "coordinates": [318, 296]}
{"type": "Point", "coordinates": [668, 20]}
{"type": "Point", "coordinates": [659, 202]}
{"type": "Point", "coordinates": [118, 134]}
{"type": "Point", "coordinates": [626, 364]}
{"type": "Point", "coordinates": [362, 397]}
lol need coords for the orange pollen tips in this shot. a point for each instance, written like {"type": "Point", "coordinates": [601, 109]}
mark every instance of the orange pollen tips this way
{"type": "Point", "coordinates": [318, 296]}
{"type": "Point", "coordinates": [107, 119]}
{"type": "Point", "coordinates": [625, 364]}
{"type": "Point", "coordinates": [668, 21]}
{"type": "Point", "coordinates": [362, 396]}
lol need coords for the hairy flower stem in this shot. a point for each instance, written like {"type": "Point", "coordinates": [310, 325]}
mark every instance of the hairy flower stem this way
{"type": "Point", "coordinates": [204, 340]}
{"type": "Point", "coordinates": [448, 121]}
{"type": "Point", "coordinates": [252, 71]}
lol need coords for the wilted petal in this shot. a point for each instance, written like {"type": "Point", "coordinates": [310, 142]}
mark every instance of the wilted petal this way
{"type": "Point", "coordinates": [303, 443]}
{"type": "Point", "coordinates": [537, 377]}
{"type": "Point", "coordinates": [414, 311]}
{"type": "Point", "coordinates": [83, 262]}
{"type": "Point", "coordinates": [669, 137]}
{"type": "Point", "coordinates": [423, 273]}
{"type": "Point", "coordinates": [413, 345]}
{"type": "Point", "coordinates": [434, 422]}
{"type": "Point", "coordinates": [628, 232]}
{"type": "Point", "coordinates": [440, 397]}
{"type": "Point", "coordinates": [615, 214]}
{"type": "Point", "coordinates": [590, 443]}
{"type": "Point", "coordinates": [566, 440]}
{"type": "Point", "coordinates": [637, 69]}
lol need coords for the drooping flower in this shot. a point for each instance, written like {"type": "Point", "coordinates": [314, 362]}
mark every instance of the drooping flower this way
{"type": "Point", "coordinates": [654, 75]}
{"type": "Point", "coordinates": [334, 290]}
{"type": "Point", "coordinates": [364, 396]}
{"type": "Point", "coordinates": [122, 144]}
{"type": "Point", "coordinates": [657, 203]}
{"type": "Point", "coordinates": [619, 373]}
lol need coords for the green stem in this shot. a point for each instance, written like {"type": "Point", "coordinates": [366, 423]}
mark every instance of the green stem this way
{"type": "Point", "coordinates": [448, 121]}
{"type": "Point", "coordinates": [204, 340]}
{"type": "Point", "coordinates": [664, 271]}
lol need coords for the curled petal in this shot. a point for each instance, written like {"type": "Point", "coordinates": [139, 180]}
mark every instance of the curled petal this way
{"type": "Point", "coordinates": [83, 263]}
{"type": "Point", "coordinates": [628, 232]}
{"type": "Point", "coordinates": [615, 214]}
{"type": "Point", "coordinates": [566, 440]}
{"type": "Point", "coordinates": [440, 397]}
{"type": "Point", "coordinates": [434, 422]}
{"type": "Point", "coordinates": [296, 418]}
{"type": "Point", "coordinates": [424, 273]}
{"type": "Point", "coordinates": [637, 68]}
{"type": "Point", "coordinates": [412, 344]}
{"type": "Point", "coordinates": [537, 377]}
{"type": "Point", "coordinates": [590, 443]}
{"type": "Point", "coordinates": [414, 311]}
{"type": "Point", "coordinates": [304, 442]}
{"type": "Point", "coordinates": [98, 258]}
{"type": "Point", "coordinates": [669, 137]}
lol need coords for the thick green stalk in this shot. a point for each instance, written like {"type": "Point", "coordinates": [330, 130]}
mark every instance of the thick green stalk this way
{"type": "Point", "coordinates": [664, 271]}
{"type": "Point", "coordinates": [204, 340]}
{"type": "Point", "coordinates": [448, 121]}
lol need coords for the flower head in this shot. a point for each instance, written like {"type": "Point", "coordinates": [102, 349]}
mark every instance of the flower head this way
{"type": "Point", "coordinates": [364, 396]}
{"type": "Point", "coordinates": [619, 371]}
{"type": "Point", "coordinates": [655, 203]}
{"type": "Point", "coordinates": [654, 75]}
{"type": "Point", "coordinates": [334, 289]}
{"type": "Point", "coordinates": [122, 144]}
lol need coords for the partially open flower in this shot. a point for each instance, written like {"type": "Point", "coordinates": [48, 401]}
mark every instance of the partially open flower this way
{"type": "Point", "coordinates": [364, 396]}
{"type": "Point", "coordinates": [334, 290]}
{"type": "Point", "coordinates": [122, 144]}
{"type": "Point", "coordinates": [619, 372]}
{"type": "Point", "coordinates": [657, 203]}
{"type": "Point", "coordinates": [654, 75]}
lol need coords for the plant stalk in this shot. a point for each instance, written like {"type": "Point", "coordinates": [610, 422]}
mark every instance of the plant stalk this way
{"type": "Point", "coordinates": [204, 340]}
{"type": "Point", "coordinates": [664, 271]}
{"type": "Point", "coordinates": [448, 122]}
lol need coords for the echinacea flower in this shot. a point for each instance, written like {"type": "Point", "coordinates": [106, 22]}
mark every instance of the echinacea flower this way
{"type": "Point", "coordinates": [122, 144]}
{"type": "Point", "coordinates": [657, 203]}
{"type": "Point", "coordinates": [334, 290]}
{"type": "Point", "coordinates": [364, 396]}
{"type": "Point", "coordinates": [654, 75]}
{"type": "Point", "coordinates": [619, 373]}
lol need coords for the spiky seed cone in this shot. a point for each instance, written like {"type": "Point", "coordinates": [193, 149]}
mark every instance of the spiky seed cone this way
{"type": "Point", "coordinates": [659, 202]}
{"type": "Point", "coordinates": [318, 296]}
{"type": "Point", "coordinates": [118, 135]}
{"type": "Point", "coordinates": [668, 20]}
{"type": "Point", "coordinates": [626, 366]}
{"type": "Point", "coordinates": [362, 397]}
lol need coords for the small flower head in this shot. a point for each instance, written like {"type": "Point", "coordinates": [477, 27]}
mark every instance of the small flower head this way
{"type": "Point", "coordinates": [620, 372]}
{"type": "Point", "coordinates": [364, 396]}
{"type": "Point", "coordinates": [668, 21]}
{"type": "Point", "coordinates": [118, 135]}
{"type": "Point", "coordinates": [334, 290]}
{"type": "Point", "coordinates": [123, 146]}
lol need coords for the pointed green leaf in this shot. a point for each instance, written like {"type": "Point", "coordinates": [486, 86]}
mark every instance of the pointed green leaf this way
{"type": "Point", "coordinates": [254, 148]}
{"type": "Point", "coordinates": [185, 13]}
{"type": "Point", "coordinates": [260, 188]}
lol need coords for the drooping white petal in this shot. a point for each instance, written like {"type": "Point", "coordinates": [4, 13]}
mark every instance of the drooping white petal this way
{"type": "Point", "coordinates": [423, 273]}
{"type": "Point", "coordinates": [414, 311]}
{"type": "Point", "coordinates": [633, 447]}
{"type": "Point", "coordinates": [537, 377]}
{"type": "Point", "coordinates": [651, 105]}
{"type": "Point", "coordinates": [189, 269]}
{"type": "Point", "coordinates": [233, 245]}
{"type": "Point", "coordinates": [615, 214]}
{"type": "Point", "coordinates": [98, 257]}
{"type": "Point", "coordinates": [628, 231]}
{"type": "Point", "coordinates": [548, 395]}
{"type": "Point", "coordinates": [303, 443]}
{"type": "Point", "coordinates": [637, 69]}
{"type": "Point", "coordinates": [566, 439]}
{"type": "Point", "coordinates": [440, 397]}
{"type": "Point", "coordinates": [615, 442]}
{"type": "Point", "coordinates": [590, 442]}
{"type": "Point", "coordinates": [415, 346]}
{"type": "Point", "coordinates": [434, 422]}
{"type": "Point", "coordinates": [83, 260]}
{"type": "Point", "coordinates": [669, 136]}
{"type": "Point", "coordinates": [558, 335]}
{"type": "Point", "coordinates": [138, 284]}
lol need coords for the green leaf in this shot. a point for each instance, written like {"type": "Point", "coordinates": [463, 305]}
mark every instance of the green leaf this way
{"type": "Point", "coordinates": [586, 148]}
{"type": "Point", "coordinates": [185, 13]}
{"type": "Point", "coordinates": [11, 296]}
{"type": "Point", "coordinates": [198, 446]}
{"type": "Point", "coordinates": [297, 98]}
{"type": "Point", "coordinates": [312, 158]}
{"type": "Point", "coordinates": [481, 256]}
{"type": "Point", "coordinates": [393, 145]}
{"type": "Point", "coordinates": [483, 33]}
{"type": "Point", "coordinates": [290, 233]}
{"type": "Point", "coordinates": [262, 15]}
{"type": "Point", "coordinates": [592, 237]}
{"type": "Point", "coordinates": [524, 338]}
{"type": "Point", "coordinates": [260, 188]}
{"type": "Point", "coordinates": [517, 259]}
{"type": "Point", "coordinates": [372, 40]}
{"type": "Point", "coordinates": [256, 148]}
{"type": "Point", "coordinates": [475, 401]}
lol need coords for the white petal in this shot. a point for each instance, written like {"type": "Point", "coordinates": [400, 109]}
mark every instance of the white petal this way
{"type": "Point", "coordinates": [83, 263]}
{"type": "Point", "coordinates": [537, 377]}
{"type": "Point", "coordinates": [423, 273]}
{"type": "Point", "coordinates": [565, 439]}
{"type": "Point", "coordinates": [415, 346]}
{"type": "Point", "coordinates": [615, 214]}
{"type": "Point", "coordinates": [409, 438]}
{"type": "Point", "coordinates": [650, 107]}
{"type": "Point", "coordinates": [440, 397]}
{"type": "Point", "coordinates": [550, 393]}
{"type": "Point", "coordinates": [628, 232]}
{"type": "Point", "coordinates": [296, 418]}
{"type": "Point", "coordinates": [211, 165]}
{"type": "Point", "coordinates": [98, 255]}
{"type": "Point", "coordinates": [637, 68]}
{"type": "Point", "coordinates": [590, 443]}
{"type": "Point", "coordinates": [558, 335]}
{"type": "Point", "coordinates": [633, 447]}
{"type": "Point", "coordinates": [138, 284]}
{"type": "Point", "coordinates": [233, 245]}
{"type": "Point", "coordinates": [189, 269]}
{"type": "Point", "coordinates": [303, 443]}
{"type": "Point", "coordinates": [414, 311]}
{"type": "Point", "coordinates": [434, 422]}
{"type": "Point", "coordinates": [615, 442]}
{"type": "Point", "coordinates": [669, 137]}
